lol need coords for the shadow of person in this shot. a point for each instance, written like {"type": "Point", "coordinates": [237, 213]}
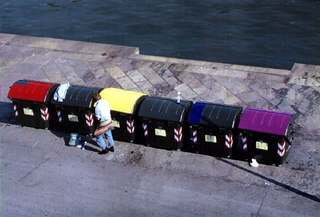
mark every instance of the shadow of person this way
{"type": "Point", "coordinates": [91, 144]}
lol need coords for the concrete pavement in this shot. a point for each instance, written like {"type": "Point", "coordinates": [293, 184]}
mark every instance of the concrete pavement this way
{"type": "Point", "coordinates": [42, 177]}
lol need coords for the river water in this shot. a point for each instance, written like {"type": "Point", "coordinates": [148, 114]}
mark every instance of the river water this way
{"type": "Point", "coordinates": [269, 33]}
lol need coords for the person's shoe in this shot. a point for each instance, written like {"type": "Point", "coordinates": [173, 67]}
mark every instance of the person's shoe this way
{"type": "Point", "coordinates": [105, 151]}
{"type": "Point", "coordinates": [111, 149]}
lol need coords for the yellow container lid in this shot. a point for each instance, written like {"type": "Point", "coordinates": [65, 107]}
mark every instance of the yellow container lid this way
{"type": "Point", "coordinates": [121, 100]}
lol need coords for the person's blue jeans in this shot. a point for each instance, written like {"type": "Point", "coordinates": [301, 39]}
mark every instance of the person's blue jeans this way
{"type": "Point", "coordinates": [100, 140]}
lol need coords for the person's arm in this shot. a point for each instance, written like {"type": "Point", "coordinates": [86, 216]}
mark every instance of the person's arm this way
{"type": "Point", "coordinates": [98, 112]}
{"type": "Point", "coordinates": [108, 110]}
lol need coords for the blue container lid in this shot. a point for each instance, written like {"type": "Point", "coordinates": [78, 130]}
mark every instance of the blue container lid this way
{"type": "Point", "coordinates": [196, 112]}
{"type": "Point", "coordinates": [217, 115]}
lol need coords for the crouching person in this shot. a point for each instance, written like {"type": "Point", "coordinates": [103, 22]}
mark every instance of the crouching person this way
{"type": "Point", "coordinates": [102, 113]}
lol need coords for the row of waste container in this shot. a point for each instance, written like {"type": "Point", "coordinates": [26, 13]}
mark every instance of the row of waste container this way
{"type": "Point", "coordinates": [202, 127]}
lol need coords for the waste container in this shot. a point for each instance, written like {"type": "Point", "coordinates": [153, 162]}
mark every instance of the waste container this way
{"type": "Point", "coordinates": [164, 121]}
{"type": "Point", "coordinates": [124, 106]}
{"type": "Point", "coordinates": [266, 135]}
{"type": "Point", "coordinates": [214, 128]}
{"type": "Point", "coordinates": [30, 102]}
{"type": "Point", "coordinates": [75, 112]}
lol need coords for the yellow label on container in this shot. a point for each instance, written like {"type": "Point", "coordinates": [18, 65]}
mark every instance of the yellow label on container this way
{"type": "Point", "coordinates": [116, 123]}
{"type": "Point", "coordinates": [73, 118]}
{"type": "Point", "coordinates": [210, 138]}
{"type": "Point", "coordinates": [28, 111]}
{"type": "Point", "coordinates": [261, 145]}
{"type": "Point", "coordinates": [160, 132]}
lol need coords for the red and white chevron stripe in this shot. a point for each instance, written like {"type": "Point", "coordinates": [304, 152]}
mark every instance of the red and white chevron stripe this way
{"type": "Point", "coordinates": [145, 129]}
{"type": "Point", "coordinates": [281, 149]}
{"type": "Point", "coordinates": [194, 136]}
{"type": "Point", "coordinates": [178, 134]}
{"type": "Point", "coordinates": [59, 116]}
{"type": "Point", "coordinates": [244, 143]}
{"type": "Point", "coordinates": [130, 126]}
{"type": "Point", "coordinates": [229, 141]}
{"type": "Point", "coordinates": [44, 114]}
{"type": "Point", "coordinates": [16, 113]}
{"type": "Point", "coordinates": [89, 119]}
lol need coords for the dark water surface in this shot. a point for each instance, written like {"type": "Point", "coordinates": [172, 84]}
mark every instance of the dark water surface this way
{"type": "Point", "coordinates": [273, 33]}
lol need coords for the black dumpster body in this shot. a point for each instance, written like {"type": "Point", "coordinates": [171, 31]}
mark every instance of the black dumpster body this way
{"type": "Point", "coordinates": [266, 136]}
{"type": "Point", "coordinates": [213, 128]}
{"type": "Point", "coordinates": [124, 107]}
{"type": "Point", "coordinates": [163, 122]}
{"type": "Point", "coordinates": [76, 113]}
{"type": "Point", "coordinates": [31, 102]}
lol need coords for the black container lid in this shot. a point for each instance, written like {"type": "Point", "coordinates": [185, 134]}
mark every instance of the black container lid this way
{"type": "Point", "coordinates": [164, 109]}
{"type": "Point", "coordinates": [78, 96]}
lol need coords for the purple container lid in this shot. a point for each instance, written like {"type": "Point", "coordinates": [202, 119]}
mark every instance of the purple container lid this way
{"type": "Point", "coordinates": [264, 121]}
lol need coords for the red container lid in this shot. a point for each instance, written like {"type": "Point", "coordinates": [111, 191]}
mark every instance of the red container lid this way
{"type": "Point", "coordinates": [30, 90]}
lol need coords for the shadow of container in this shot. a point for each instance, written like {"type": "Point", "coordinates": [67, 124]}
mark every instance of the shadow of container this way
{"type": "Point", "coordinates": [7, 114]}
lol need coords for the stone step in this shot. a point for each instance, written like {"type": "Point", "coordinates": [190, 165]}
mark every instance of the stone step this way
{"type": "Point", "coordinates": [211, 67]}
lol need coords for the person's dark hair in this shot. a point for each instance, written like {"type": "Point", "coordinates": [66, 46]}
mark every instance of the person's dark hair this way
{"type": "Point", "coordinates": [96, 96]}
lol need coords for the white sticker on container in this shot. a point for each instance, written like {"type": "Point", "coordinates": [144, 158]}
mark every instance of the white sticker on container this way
{"type": "Point", "coordinates": [73, 118]}
{"type": "Point", "coordinates": [116, 123]}
{"type": "Point", "coordinates": [210, 138]}
{"type": "Point", "coordinates": [28, 111]}
{"type": "Point", "coordinates": [262, 145]}
{"type": "Point", "coordinates": [160, 132]}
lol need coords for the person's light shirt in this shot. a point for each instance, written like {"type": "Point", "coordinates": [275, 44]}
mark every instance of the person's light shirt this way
{"type": "Point", "coordinates": [102, 110]}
